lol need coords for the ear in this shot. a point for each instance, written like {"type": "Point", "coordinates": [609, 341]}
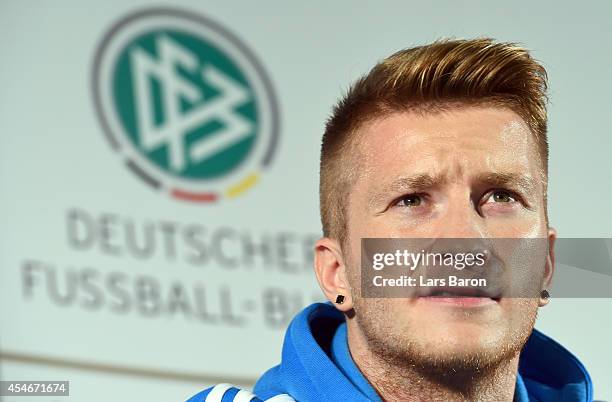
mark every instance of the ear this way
{"type": "Point", "coordinates": [550, 264]}
{"type": "Point", "coordinates": [331, 272]}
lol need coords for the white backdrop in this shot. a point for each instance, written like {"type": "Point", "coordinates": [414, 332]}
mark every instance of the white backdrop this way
{"type": "Point", "coordinates": [77, 303]}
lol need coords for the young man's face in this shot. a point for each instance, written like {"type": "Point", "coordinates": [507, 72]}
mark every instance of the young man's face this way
{"type": "Point", "coordinates": [428, 176]}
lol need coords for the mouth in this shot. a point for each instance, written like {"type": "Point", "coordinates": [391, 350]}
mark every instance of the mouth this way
{"type": "Point", "coordinates": [465, 297]}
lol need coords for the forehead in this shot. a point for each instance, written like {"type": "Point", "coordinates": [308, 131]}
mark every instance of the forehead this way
{"type": "Point", "coordinates": [455, 141]}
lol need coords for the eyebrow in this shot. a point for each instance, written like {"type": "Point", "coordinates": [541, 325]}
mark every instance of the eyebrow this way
{"type": "Point", "coordinates": [521, 181]}
{"type": "Point", "coordinates": [421, 182]}
{"type": "Point", "coordinates": [416, 183]}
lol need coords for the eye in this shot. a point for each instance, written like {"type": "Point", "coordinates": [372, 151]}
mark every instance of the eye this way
{"type": "Point", "coordinates": [501, 196]}
{"type": "Point", "coordinates": [412, 200]}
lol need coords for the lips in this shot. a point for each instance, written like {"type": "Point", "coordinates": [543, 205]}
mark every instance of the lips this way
{"type": "Point", "coordinates": [446, 292]}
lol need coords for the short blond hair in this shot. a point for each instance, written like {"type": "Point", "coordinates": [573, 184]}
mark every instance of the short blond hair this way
{"type": "Point", "coordinates": [429, 78]}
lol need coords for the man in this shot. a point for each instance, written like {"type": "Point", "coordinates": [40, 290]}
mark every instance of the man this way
{"type": "Point", "coordinates": [446, 140]}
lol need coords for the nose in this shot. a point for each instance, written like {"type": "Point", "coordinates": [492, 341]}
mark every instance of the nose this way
{"type": "Point", "coordinates": [460, 218]}
{"type": "Point", "coordinates": [461, 228]}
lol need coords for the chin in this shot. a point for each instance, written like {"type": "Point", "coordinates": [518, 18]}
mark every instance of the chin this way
{"type": "Point", "coordinates": [454, 358]}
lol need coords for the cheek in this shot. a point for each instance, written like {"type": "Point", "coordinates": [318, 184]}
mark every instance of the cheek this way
{"type": "Point", "coordinates": [388, 225]}
{"type": "Point", "coordinates": [523, 225]}
{"type": "Point", "coordinates": [521, 312]}
{"type": "Point", "coordinates": [361, 226]}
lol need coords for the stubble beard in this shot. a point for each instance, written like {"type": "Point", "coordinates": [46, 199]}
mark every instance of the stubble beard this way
{"type": "Point", "coordinates": [408, 353]}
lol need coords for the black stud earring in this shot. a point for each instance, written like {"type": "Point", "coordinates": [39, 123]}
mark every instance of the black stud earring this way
{"type": "Point", "coordinates": [340, 299]}
{"type": "Point", "coordinates": [545, 294]}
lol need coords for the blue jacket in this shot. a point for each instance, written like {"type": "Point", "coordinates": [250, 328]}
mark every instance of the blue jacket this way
{"type": "Point", "coordinates": [317, 366]}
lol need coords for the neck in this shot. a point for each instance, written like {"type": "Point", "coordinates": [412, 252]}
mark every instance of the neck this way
{"type": "Point", "coordinates": [403, 381]}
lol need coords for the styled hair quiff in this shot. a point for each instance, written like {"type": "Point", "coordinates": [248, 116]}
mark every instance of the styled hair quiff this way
{"type": "Point", "coordinates": [427, 79]}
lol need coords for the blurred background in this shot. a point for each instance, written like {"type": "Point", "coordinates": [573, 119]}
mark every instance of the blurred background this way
{"type": "Point", "coordinates": [145, 257]}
